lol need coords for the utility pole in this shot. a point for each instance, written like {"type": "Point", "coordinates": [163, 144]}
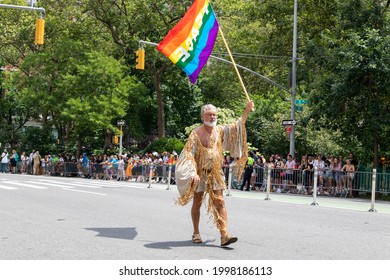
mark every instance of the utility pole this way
{"type": "Point", "coordinates": [294, 79]}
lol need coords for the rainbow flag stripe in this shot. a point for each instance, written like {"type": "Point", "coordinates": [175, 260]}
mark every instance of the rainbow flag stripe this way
{"type": "Point", "coordinates": [190, 42]}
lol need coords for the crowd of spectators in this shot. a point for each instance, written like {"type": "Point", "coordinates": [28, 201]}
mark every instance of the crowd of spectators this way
{"type": "Point", "coordinates": [335, 174]}
{"type": "Point", "coordinates": [107, 166]}
{"type": "Point", "coordinates": [290, 175]}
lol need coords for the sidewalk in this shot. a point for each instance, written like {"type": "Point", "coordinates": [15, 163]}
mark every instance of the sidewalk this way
{"type": "Point", "coordinates": [356, 204]}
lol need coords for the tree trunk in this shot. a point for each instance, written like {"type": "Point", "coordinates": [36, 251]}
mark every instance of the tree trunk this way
{"type": "Point", "coordinates": [160, 101]}
{"type": "Point", "coordinates": [68, 131]}
{"type": "Point", "coordinates": [79, 145]}
{"type": "Point", "coordinates": [107, 139]}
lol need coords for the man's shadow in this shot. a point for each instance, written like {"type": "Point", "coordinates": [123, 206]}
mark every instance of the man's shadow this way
{"type": "Point", "coordinates": [118, 233]}
{"type": "Point", "coordinates": [167, 245]}
{"type": "Point", "coordinates": [130, 233]}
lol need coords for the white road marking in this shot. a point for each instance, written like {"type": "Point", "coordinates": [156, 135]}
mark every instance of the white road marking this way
{"type": "Point", "coordinates": [8, 188]}
{"type": "Point", "coordinates": [26, 185]}
{"type": "Point", "coordinates": [74, 190]}
{"type": "Point", "coordinates": [55, 185]}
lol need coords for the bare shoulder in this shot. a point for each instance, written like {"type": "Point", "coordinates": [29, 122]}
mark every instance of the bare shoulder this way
{"type": "Point", "coordinates": [198, 130]}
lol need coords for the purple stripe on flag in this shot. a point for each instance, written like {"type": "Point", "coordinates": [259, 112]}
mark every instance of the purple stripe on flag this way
{"type": "Point", "coordinates": [206, 52]}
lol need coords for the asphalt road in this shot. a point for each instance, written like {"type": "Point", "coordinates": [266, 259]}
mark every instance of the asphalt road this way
{"type": "Point", "coordinates": [55, 218]}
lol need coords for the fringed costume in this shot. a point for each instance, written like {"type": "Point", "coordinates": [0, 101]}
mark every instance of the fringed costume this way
{"type": "Point", "coordinates": [208, 162]}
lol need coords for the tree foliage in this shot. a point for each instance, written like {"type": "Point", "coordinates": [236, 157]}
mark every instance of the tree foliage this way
{"type": "Point", "coordinates": [83, 79]}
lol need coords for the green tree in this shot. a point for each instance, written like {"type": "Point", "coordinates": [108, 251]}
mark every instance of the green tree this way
{"type": "Point", "coordinates": [353, 91]}
{"type": "Point", "coordinates": [99, 92]}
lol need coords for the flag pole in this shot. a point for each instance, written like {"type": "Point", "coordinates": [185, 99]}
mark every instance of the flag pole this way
{"type": "Point", "coordinates": [235, 66]}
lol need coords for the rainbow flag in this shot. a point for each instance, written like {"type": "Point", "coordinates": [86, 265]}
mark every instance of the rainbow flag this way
{"type": "Point", "coordinates": [190, 42]}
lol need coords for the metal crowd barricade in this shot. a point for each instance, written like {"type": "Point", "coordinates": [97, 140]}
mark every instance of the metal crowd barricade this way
{"type": "Point", "coordinates": [271, 180]}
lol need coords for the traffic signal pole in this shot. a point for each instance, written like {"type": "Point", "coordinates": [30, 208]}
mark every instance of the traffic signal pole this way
{"type": "Point", "coordinates": [294, 79]}
{"type": "Point", "coordinates": [31, 8]}
{"type": "Point", "coordinates": [40, 23]}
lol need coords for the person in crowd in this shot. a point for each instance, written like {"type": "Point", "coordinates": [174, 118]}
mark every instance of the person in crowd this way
{"type": "Point", "coordinates": [98, 168]}
{"type": "Point", "coordinates": [261, 164]}
{"type": "Point", "coordinates": [227, 161]}
{"type": "Point", "coordinates": [37, 162]}
{"type": "Point", "coordinates": [328, 179]}
{"type": "Point", "coordinates": [129, 169]}
{"type": "Point", "coordinates": [199, 168]}
{"type": "Point", "coordinates": [165, 168]}
{"type": "Point", "coordinates": [349, 172]}
{"type": "Point", "coordinates": [61, 164]}
{"type": "Point", "coordinates": [24, 160]}
{"type": "Point", "coordinates": [309, 174]}
{"type": "Point", "coordinates": [341, 160]}
{"type": "Point", "coordinates": [353, 161]}
{"type": "Point", "coordinates": [44, 164]}
{"type": "Point", "coordinates": [271, 164]}
{"type": "Point", "coordinates": [247, 174]}
{"type": "Point", "coordinates": [254, 175]}
{"type": "Point", "coordinates": [121, 169]}
{"type": "Point", "coordinates": [338, 182]}
{"type": "Point", "coordinates": [302, 167]}
{"type": "Point", "coordinates": [279, 173]}
{"type": "Point", "coordinates": [85, 165]}
{"type": "Point", "coordinates": [289, 168]}
{"type": "Point", "coordinates": [106, 164]}
{"type": "Point", "coordinates": [4, 161]}
{"type": "Point", "coordinates": [235, 183]}
{"type": "Point", "coordinates": [13, 161]}
{"type": "Point", "coordinates": [79, 165]}
{"type": "Point", "coordinates": [319, 163]}
{"type": "Point", "coordinates": [31, 162]}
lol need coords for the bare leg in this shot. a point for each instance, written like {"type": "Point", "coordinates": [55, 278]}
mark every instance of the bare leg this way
{"type": "Point", "coordinates": [220, 207]}
{"type": "Point", "coordinates": [219, 203]}
{"type": "Point", "coordinates": [195, 210]}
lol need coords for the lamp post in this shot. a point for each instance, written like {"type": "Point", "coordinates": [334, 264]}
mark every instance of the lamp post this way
{"type": "Point", "coordinates": [120, 123]}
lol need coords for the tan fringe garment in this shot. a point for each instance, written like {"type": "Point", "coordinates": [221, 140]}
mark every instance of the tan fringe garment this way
{"type": "Point", "coordinates": [207, 164]}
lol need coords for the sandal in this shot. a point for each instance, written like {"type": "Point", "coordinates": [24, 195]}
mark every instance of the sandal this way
{"type": "Point", "coordinates": [228, 239]}
{"type": "Point", "coordinates": [196, 238]}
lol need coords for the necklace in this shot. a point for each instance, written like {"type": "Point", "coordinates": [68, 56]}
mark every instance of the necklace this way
{"type": "Point", "coordinates": [209, 137]}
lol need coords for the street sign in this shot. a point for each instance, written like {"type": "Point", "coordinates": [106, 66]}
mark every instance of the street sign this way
{"type": "Point", "coordinates": [299, 108]}
{"type": "Point", "coordinates": [289, 122]}
{"type": "Point", "coordinates": [301, 102]}
{"type": "Point", "coordinates": [121, 123]}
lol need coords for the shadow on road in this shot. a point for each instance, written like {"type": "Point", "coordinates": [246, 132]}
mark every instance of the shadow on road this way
{"type": "Point", "coordinates": [119, 233]}
{"type": "Point", "coordinates": [187, 243]}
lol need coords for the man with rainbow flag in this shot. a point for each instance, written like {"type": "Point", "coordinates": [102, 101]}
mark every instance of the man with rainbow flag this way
{"type": "Point", "coordinates": [199, 167]}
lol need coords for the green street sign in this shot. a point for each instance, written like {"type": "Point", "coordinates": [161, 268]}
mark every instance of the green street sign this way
{"type": "Point", "coordinates": [299, 108]}
{"type": "Point", "coordinates": [301, 102]}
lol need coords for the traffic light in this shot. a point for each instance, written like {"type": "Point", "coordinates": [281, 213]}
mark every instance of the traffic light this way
{"type": "Point", "coordinates": [39, 31]}
{"type": "Point", "coordinates": [140, 59]}
{"type": "Point", "coordinates": [288, 132]}
{"type": "Point", "coordinates": [115, 140]}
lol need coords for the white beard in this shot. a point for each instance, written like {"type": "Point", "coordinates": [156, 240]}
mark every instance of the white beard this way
{"type": "Point", "coordinates": [211, 124]}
